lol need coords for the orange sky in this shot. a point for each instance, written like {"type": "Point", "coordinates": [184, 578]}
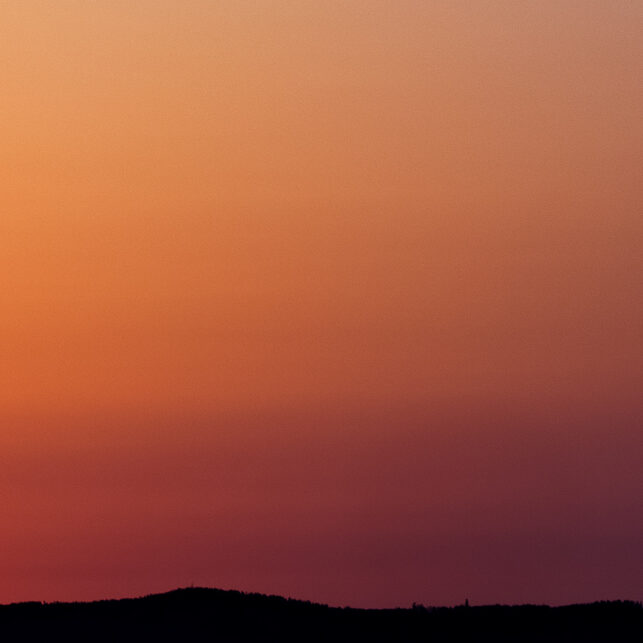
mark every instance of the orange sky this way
{"type": "Point", "coordinates": [338, 300]}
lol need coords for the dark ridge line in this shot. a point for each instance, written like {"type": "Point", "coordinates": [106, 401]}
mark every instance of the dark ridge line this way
{"type": "Point", "coordinates": [277, 598]}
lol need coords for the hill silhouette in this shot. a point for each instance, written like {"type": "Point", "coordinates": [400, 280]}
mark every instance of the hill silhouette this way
{"type": "Point", "coordinates": [201, 614]}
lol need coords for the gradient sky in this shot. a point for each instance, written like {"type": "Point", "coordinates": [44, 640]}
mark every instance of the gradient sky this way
{"type": "Point", "coordinates": [337, 300]}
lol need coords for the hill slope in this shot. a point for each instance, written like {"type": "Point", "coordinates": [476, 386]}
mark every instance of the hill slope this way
{"type": "Point", "coordinates": [198, 614]}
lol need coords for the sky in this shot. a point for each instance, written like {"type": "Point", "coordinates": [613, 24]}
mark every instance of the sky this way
{"type": "Point", "coordinates": [337, 300]}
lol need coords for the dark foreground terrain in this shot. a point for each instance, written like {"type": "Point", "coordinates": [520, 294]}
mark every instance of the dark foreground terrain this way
{"type": "Point", "coordinates": [197, 614]}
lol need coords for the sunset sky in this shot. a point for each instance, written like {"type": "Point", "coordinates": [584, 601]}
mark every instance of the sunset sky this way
{"type": "Point", "coordinates": [335, 300]}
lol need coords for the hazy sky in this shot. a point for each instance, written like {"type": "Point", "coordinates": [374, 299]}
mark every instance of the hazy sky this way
{"type": "Point", "coordinates": [338, 300]}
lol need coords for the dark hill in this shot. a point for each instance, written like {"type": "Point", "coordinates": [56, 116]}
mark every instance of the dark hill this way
{"type": "Point", "coordinates": [198, 614]}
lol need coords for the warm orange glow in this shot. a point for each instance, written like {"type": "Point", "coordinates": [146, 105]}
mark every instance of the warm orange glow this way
{"type": "Point", "coordinates": [341, 301]}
